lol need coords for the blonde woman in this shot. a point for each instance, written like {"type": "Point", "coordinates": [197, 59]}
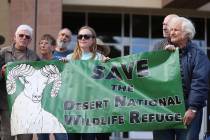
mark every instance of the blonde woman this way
{"type": "Point", "coordinates": [86, 49]}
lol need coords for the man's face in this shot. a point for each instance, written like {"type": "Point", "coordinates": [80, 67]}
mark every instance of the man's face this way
{"type": "Point", "coordinates": [22, 39]}
{"type": "Point", "coordinates": [176, 33]}
{"type": "Point", "coordinates": [166, 32]}
{"type": "Point", "coordinates": [64, 38]}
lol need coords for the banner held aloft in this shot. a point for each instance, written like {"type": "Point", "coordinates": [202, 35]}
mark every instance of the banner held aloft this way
{"type": "Point", "coordinates": [135, 92]}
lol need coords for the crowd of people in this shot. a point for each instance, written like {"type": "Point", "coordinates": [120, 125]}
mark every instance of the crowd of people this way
{"type": "Point", "coordinates": [178, 33]}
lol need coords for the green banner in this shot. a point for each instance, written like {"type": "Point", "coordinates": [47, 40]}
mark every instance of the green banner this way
{"type": "Point", "coordinates": [130, 93]}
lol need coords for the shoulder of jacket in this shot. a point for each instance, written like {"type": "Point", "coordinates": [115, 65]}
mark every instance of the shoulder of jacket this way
{"type": "Point", "coordinates": [32, 54]}
{"type": "Point", "coordinates": [195, 49]}
{"type": "Point", "coordinates": [197, 54]}
{"type": "Point", "coordinates": [160, 44]}
{"type": "Point", "coordinates": [6, 49]}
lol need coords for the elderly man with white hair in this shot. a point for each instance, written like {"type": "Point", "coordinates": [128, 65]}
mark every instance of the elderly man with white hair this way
{"type": "Point", "coordinates": [195, 69]}
{"type": "Point", "coordinates": [18, 51]}
{"type": "Point", "coordinates": [166, 33]}
{"type": "Point", "coordinates": [63, 42]}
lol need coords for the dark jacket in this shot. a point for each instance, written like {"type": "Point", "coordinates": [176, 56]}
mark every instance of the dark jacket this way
{"type": "Point", "coordinates": [196, 69]}
{"type": "Point", "coordinates": [10, 54]}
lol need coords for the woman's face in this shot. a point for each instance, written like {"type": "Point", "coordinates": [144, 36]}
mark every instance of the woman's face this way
{"type": "Point", "coordinates": [177, 36]}
{"type": "Point", "coordinates": [85, 39]}
{"type": "Point", "coordinates": [45, 47]}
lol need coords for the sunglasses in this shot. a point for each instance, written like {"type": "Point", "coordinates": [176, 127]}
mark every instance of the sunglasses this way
{"type": "Point", "coordinates": [23, 35]}
{"type": "Point", "coordinates": [85, 36]}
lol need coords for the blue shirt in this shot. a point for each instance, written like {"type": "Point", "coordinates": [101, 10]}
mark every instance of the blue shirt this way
{"type": "Point", "coordinates": [58, 55]}
{"type": "Point", "coordinates": [86, 56]}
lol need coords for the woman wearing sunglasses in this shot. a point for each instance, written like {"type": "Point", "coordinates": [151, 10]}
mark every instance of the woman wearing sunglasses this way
{"type": "Point", "coordinates": [86, 49]}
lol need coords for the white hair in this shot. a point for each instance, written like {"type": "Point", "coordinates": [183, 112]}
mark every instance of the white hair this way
{"type": "Point", "coordinates": [26, 28]}
{"type": "Point", "coordinates": [188, 28]}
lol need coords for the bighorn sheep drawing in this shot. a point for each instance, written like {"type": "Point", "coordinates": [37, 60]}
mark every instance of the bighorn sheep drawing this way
{"type": "Point", "coordinates": [27, 115]}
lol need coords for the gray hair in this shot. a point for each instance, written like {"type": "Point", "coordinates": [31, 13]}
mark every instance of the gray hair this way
{"type": "Point", "coordinates": [67, 29]}
{"type": "Point", "coordinates": [188, 28]}
{"type": "Point", "coordinates": [26, 28]}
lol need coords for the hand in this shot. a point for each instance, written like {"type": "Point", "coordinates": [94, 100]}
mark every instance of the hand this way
{"type": "Point", "coordinates": [188, 117]}
{"type": "Point", "coordinates": [105, 59]}
{"type": "Point", "coordinates": [64, 59]}
{"type": "Point", "coordinates": [3, 69]}
{"type": "Point", "coordinates": [170, 48]}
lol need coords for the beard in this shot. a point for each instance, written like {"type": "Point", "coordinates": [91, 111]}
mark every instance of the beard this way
{"type": "Point", "coordinates": [62, 44]}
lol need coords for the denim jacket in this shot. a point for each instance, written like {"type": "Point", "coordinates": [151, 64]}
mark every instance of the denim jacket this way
{"type": "Point", "coordinates": [196, 68]}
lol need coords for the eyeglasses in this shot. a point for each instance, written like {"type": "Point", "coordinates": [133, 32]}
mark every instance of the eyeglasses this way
{"type": "Point", "coordinates": [86, 37]}
{"type": "Point", "coordinates": [43, 42]}
{"type": "Point", "coordinates": [23, 35]}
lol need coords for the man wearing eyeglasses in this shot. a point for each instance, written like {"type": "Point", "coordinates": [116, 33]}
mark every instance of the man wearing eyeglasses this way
{"type": "Point", "coordinates": [18, 51]}
{"type": "Point", "coordinates": [63, 41]}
